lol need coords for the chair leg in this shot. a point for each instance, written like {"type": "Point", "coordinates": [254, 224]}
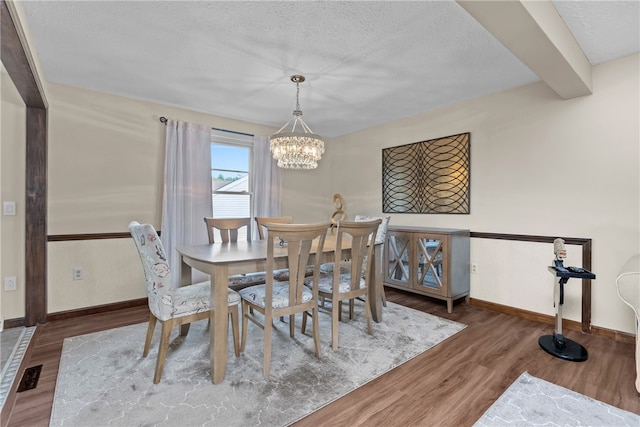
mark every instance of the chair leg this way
{"type": "Point", "coordinates": [162, 351]}
{"type": "Point", "coordinates": [233, 314]}
{"type": "Point", "coordinates": [335, 318]}
{"type": "Point", "coordinates": [150, 329]}
{"type": "Point", "coordinates": [316, 330]}
{"type": "Point", "coordinates": [367, 311]}
{"type": "Point", "coordinates": [351, 305]}
{"type": "Point", "coordinates": [303, 328]}
{"type": "Point", "coordinates": [267, 346]}
{"type": "Point", "coordinates": [292, 325]}
{"type": "Point", "coordinates": [245, 324]}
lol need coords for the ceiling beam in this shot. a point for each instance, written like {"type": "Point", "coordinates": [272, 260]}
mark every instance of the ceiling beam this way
{"type": "Point", "coordinates": [535, 33]}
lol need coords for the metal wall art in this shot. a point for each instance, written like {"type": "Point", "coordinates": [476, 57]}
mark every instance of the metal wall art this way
{"type": "Point", "coordinates": [428, 177]}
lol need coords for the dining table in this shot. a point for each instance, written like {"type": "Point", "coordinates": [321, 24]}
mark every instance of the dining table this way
{"type": "Point", "coordinates": [220, 260]}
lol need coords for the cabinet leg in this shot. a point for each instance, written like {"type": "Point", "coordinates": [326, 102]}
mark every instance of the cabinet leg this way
{"type": "Point", "coordinates": [449, 305]}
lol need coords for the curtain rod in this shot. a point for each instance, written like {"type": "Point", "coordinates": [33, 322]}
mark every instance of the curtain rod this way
{"type": "Point", "coordinates": [163, 119]}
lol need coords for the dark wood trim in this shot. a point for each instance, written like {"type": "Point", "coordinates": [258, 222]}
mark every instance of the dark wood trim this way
{"type": "Point", "coordinates": [36, 217]}
{"type": "Point", "coordinates": [14, 323]}
{"type": "Point", "coordinates": [528, 238]}
{"type": "Point", "coordinates": [586, 263]}
{"type": "Point", "coordinates": [88, 236]}
{"type": "Point", "coordinates": [61, 315]}
{"type": "Point", "coordinates": [571, 325]}
{"type": "Point", "coordinates": [18, 63]}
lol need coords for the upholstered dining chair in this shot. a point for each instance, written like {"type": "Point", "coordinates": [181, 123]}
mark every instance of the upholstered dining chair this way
{"type": "Point", "coordinates": [337, 286]}
{"type": "Point", "coordinates": [262, 221]}
{"type": "Point", "coordinates": [285, 298]}
{"type": "Point", "coordinates": [172, 306]}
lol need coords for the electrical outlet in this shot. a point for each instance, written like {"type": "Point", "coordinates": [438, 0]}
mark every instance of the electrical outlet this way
{"type": "Point", "coordinates": [9, 208]}
{"type": "Point", "coordinates": [78, 273]}
{"type": "Point", "coordinates": [10, 283]}
{"type": "Point", "coordinates": [474, 268]}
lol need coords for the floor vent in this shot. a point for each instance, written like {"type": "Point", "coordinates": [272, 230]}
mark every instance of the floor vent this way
{"type": "Point", "coordinates": [30, 378]}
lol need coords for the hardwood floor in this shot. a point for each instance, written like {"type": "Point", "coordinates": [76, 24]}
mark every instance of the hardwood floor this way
{"type": "Point", "coordinates": [452, 384]}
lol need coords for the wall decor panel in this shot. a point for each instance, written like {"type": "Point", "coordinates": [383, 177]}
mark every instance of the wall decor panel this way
{"type": "Point", "coordinates": [428, 177]}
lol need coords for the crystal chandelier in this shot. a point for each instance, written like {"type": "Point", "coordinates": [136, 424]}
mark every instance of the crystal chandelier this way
{"type": "Point", "coordinates": [295, 146]}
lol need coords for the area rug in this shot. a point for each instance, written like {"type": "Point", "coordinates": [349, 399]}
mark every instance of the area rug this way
{"type": "Point", "coordinates": [104, 381]}
{"type": "Point", "coordinates": [530, 401]}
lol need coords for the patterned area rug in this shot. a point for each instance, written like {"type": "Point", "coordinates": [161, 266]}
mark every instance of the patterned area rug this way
{"type": "Point", "coordinates": [530, 401]}
{"type": "Point", "coordinates": [103, 379]}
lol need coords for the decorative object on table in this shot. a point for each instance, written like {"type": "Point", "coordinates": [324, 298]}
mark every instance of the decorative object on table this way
{"type": "Point", "coordinates": [430, 177]}
{"type": "Point", "coordinates": [285, 298]}
{"type": "Point", "coordinates": [298, 147]}
{"type": "Point", "coordinates": [172, 307]}
{"type": "Point", "coordinates": [628, 287]}
{"type": "Point", "coordinates": [337, 287]}
{"type": "Point", "coordinates": [93, 390]}
{"type": "Point", "coordinates": [557, 344]}
{"type": "Point", "coordinates": [338, 204]}
{"type": "Point", "coordinates": [530, 401]}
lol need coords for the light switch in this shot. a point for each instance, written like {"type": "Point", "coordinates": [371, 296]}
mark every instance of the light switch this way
{"type": "Point", "coordinates": [8, 208]}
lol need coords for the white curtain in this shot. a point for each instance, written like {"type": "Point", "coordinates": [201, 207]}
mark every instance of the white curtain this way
{"type": "Point", "coordinates": [187, 189]}
{"type": "Point", "coordinates": [266, 181]}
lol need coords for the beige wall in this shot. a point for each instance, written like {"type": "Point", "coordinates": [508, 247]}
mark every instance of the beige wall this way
{"type": "Point", "coordinates": [106, 160]}
{"type": "Point", "coordinates": [540, 165]}
{"type": "Point", "coordinates": [12, 188]}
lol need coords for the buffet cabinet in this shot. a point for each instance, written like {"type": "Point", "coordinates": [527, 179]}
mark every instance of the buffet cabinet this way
{"type": "Point", "coordinates": [428, 261]}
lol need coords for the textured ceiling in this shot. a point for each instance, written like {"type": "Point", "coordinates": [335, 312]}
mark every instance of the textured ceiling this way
{"type": "Point", "coordinates": [366, 63]}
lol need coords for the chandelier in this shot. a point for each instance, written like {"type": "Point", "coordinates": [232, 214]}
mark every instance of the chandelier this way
{"type": "Point", "coordinates": [295, 146]}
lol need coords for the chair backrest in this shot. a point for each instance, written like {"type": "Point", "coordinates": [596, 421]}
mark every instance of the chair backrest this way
{"type": "Point", "coordinates": [299, 240]}
{"type": "Point", "coordinates": [228, 228]}
{"type": "Point", "coordinates": [262, 222]}
{"type": "Point", "coordinates": [381, 234]}
{"type": "Point", "coordinates": [363, 238]}
{"type": "Point", "coordinates": [156, 268]}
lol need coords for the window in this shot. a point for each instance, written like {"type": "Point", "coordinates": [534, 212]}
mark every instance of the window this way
{"type": "Point", "coordinates": [231, 176]}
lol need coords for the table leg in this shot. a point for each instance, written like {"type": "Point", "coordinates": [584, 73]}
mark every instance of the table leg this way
{"type": "Point", "coordinates": [219, 327]}
{"type": "Point", "coordinates": [376, 290]}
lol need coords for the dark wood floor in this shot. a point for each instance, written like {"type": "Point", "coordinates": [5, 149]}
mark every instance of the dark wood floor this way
{"type": "Point", "coordinates": [452, 384]}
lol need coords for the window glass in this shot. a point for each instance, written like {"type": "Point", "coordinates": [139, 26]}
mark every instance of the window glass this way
{"type": "Point", "coordinates": [231, 177]}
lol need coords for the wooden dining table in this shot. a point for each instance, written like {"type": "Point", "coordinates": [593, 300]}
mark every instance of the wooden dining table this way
{"type": "Point", "coordinates": [220, 260]}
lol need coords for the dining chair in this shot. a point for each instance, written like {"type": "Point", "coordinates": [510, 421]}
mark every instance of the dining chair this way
{"type": "Point", "coordinates": [337, 286]}
{"type": "Point", "coordinates": [285, 298]}
{"type": "Point", "coordinates": [229, 228]}
{"type": "Point", "coordinates": [381, 237]}
{"type": "Point", "coordinates": [172, 306]}
{"type": "Point", "coordinates": [261, 222]}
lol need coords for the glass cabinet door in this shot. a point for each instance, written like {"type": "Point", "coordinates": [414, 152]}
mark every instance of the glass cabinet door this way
{"type": "Point", "coordinates": [398, 258]}
{"type": "Point", "coordinates": [429, 257]}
